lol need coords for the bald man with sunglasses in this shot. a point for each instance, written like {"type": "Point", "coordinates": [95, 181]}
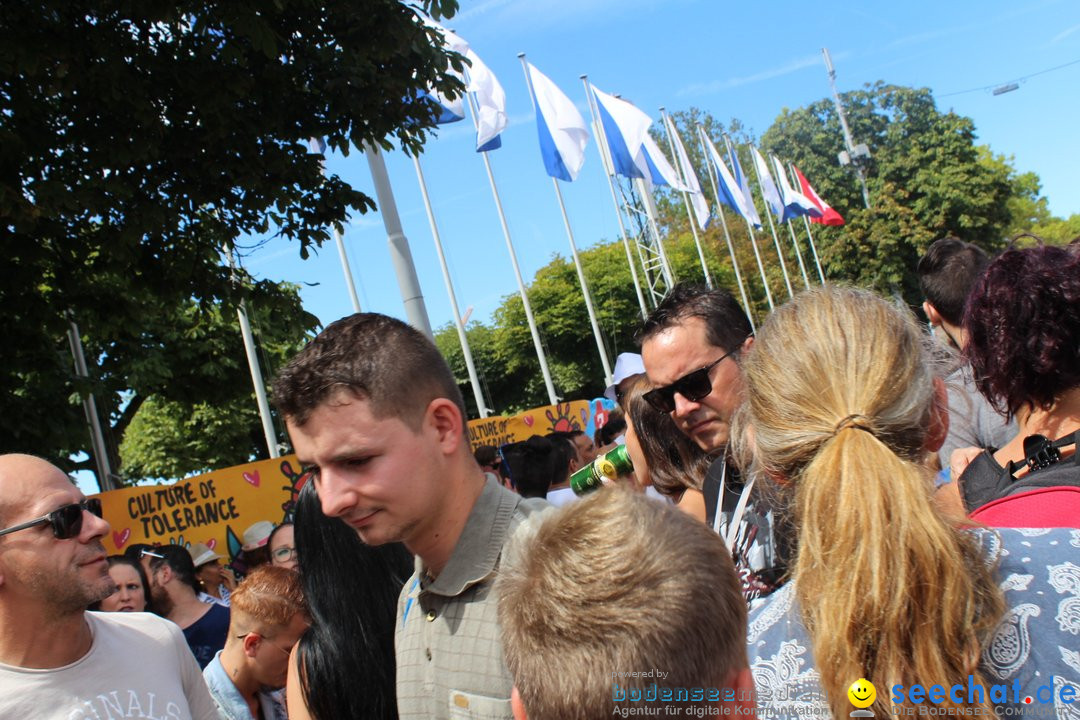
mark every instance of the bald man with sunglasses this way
{"type": "Point", "coordinates": [691, 346]}
{"type": "Point", "coordinates": [58, 661]}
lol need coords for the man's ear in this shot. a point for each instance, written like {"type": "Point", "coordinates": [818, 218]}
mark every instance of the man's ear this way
{"type": "Point", "coordinates": [932, 314]}
{"type": "Point", "coordinates": [517, 706]}
{"type": "Point", "coordinates": [444, 417]}
{"type": "Point", "coordinates": [939, 418]}
{"type": "Point", "coordinates": [251, 644]}
{"type": "Point", "coordinates": [745, 697]}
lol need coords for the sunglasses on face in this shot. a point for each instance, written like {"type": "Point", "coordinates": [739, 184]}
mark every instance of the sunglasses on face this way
{"type": "Point", "coordinates": [66, 521]}
{"type": "Point", "coordinates": [694, 386]}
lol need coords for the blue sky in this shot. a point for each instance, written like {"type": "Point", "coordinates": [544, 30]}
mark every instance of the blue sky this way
{"type": "Point", "coordinates": [744, 60]}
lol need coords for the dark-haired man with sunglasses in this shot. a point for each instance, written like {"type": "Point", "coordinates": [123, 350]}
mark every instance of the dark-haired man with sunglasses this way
{"type": "Point", "coordinates": [691, 346]}
{"type": "Point", "coordinates": [56, 659]}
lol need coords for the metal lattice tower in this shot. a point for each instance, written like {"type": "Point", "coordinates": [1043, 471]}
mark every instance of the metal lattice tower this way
{"type": "Point", "coordinates": [641, 235]}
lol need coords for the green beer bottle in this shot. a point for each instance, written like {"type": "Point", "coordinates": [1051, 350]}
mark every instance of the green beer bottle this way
{"type": "Point", "coordinates": [610, 465]}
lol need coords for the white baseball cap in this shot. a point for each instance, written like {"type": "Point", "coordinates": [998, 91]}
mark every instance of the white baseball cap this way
{"type": "Point", "coordinates": [626, 365]}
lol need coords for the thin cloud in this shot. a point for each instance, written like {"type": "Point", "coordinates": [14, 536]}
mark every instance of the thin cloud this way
{"type": "Point", "coordinates": [1064, 34]}
{"type": "Point", "coordinates": [791, 67]}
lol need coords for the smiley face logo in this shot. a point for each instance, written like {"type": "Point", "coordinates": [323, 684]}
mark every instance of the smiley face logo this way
{"type": "Point", "coordinates": [862, 693]}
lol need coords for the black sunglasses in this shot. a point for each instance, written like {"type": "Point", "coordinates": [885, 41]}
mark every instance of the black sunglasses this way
{"type": "Point", "coordinates": [694, 386]}
{"type": "Point", "coordinates": [66, 521]}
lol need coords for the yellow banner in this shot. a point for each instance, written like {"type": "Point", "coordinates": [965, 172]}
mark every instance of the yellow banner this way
{"type": "Point", "coordinates": [214, 508]}
{"type": "Point", "coordinates": [500, 430]}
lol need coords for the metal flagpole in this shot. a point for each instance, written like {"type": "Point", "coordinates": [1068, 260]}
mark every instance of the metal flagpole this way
{"type": "Point", "coordinates": [256, 372]}
{"type": "Point", "coordinates": [97, 438]}
{"type": "Point", "coordinates": [753, 238]}
{"type": "Point", "coordinates": [606, 162]}
{"type": "Point", "coordinates": [727, 235]}
{"type": "Point", "coordinates": [772, 227]}
{"type": "Point", "coordinates": [584, 287]}
{"type": "Point", "coordinates": [809, 235]}
{"type": "Point", "coordinates": [813, 249]}
{"type": "Point", "coordinates": [400, 254]}
{"type": "Point", "coordinates": [577, 260]}
{"type": "Point", "coordinates": [317, 147]}
{"type": "Point", "coordinates": [474, 380]}
{"type": "Point", "coordinates": [686, 199]}
{"type": "Point", "coordinates": [798, 254]}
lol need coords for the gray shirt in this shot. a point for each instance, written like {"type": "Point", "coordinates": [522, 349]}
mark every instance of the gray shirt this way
{"type": "Point", "coordinates": [972, 420]}
{"type": "Point", "coordinates": [448, 646]}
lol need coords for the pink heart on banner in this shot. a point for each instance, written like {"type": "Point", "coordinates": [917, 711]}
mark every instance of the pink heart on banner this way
{"type": "Point", "coordinates": [120, 538]}
{"type": "Point", "coordinates": [529, 420]}
{"type": "Point", "coordinates": [252, 478]}
{"type": "Point", "coordinates": [211, 543]}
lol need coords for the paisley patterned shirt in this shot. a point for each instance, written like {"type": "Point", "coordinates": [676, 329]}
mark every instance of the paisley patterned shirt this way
{"type": "Point", "coordinates": [1037, 642]}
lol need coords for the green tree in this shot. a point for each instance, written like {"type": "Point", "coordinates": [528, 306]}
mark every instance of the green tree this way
{"type": "Point", "coordinates": [927, 178]}
{"type": "Point", "coordinates": [137, 141]}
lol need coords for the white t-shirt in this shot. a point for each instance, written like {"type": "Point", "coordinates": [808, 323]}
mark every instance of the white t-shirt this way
{"type": "Point", "coordinates": [139, 666]}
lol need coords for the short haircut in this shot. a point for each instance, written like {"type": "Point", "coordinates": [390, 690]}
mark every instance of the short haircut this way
{"type": "Point", "coordinates": [266, 601]}
{"type": "Point", "coordinates": [726, 325]}
{"type": "Point", "coordinates": [486, 455]}
{"type": "Point", "coordinates": [179, 561]}
{"type": "Point", "coordinates": [565, 447]}
{"type": "Point", "coordinates": [675, 461]}
{"type": "Point", "coordinates": [1023, 328]}
{"type": "Point", "coordinates": [617, 582]}
{"type": "Point", "coordinates": [376, 358]}
{"type": "Point", "coordinates": [613, 428]}
{"type": "Point", "coordinates": [947, 272]}
{"type": "Point", "coordinates": [533, 465]}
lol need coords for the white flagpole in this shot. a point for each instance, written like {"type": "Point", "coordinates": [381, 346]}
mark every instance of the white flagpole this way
{"type": "Point", "coordinates": [577, 259]}
{"type": "Point", "coordinates": [474, 380]}
{"type": "Point", "coordinates": [809, 235]}
{"type": "Point", "coordinates": [772, 227]}
{"type": "Point", "coordinates": [256, 372]}
{"type": "Point", "coordinates": [686, 199]}
{"type": "Point", "coordinates": [584, 287]}
{"type": "Point", "coordinates": [338, 239]}
{"type": "Point", "coordinates": [400, 254]}
{"type": "Point", "coordinates": [798, 254]}
{"type": "Point", "coordinates": [97, 438]}
{"type": "Point", "coordinates": [598, 129]}
{"type": "Point", "coordinates": [750, 230]}
{"type": "Point", "coordinates": [727, 235]}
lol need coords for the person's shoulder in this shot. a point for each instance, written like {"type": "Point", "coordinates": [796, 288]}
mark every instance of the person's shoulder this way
{"type": "Point", "coordinates": [1020, 549]}
{"type": "Point", "coordinates": [133, 625]}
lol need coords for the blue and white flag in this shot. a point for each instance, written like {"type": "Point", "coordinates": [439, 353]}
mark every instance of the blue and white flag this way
{"type": "Point", "coordinates": [697, 197]}
{"type": "Point", "coordinates": [795, 203]}
{"type": "Point", "coordinates": [625, 129]}
{"type": "Point", "coordinates": [448, 111]}
{"type": "Point", "coordinates": [490, 104]}
{"type": "Point", "coordinates": [660, 172]}
{"type": "Point", "coordinates": [317, 145]}
{"type": "Point", "coordinates": [563, 132]}
{"type": "Point", "coordinates": [768, 187]}
{"type": "Point", "coordinates": [750, 210]}
{"type": "Point", "coordinates": [727, 186]}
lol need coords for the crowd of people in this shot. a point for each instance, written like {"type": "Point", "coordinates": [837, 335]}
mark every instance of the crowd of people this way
{"type": "Point", "coordinates": [845, 499]}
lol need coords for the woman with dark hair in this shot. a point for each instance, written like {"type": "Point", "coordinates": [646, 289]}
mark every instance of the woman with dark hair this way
{"type": "Point", "coordinates": [132, 588]}
{"type": "Point", "coordinates": [1023, 326]}
{"type": "Point", "coordinates": [282, 545]}
{"type": "Point", "coordinates": [343, 666]}
{"type": "Point", "coordinates": [663, 456]}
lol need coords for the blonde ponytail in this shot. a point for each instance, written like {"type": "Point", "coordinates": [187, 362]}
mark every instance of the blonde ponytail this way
{"type": "Point", "coordinates": [839, 396]}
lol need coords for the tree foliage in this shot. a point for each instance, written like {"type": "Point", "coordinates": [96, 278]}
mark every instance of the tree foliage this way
{"type": "Point", "coordinates": [140, 140]}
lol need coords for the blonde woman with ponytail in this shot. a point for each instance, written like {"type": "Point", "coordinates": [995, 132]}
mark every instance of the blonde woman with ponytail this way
{"type": "Point", "coordinates": [842, 407]}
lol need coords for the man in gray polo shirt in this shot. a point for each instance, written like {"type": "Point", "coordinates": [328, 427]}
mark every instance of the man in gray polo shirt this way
{"type": "Point", "coordinates": [377, 419]}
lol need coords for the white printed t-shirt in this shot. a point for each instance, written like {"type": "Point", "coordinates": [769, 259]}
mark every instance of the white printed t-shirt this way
{"type": "Point", "coordinates": [139, 666]}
